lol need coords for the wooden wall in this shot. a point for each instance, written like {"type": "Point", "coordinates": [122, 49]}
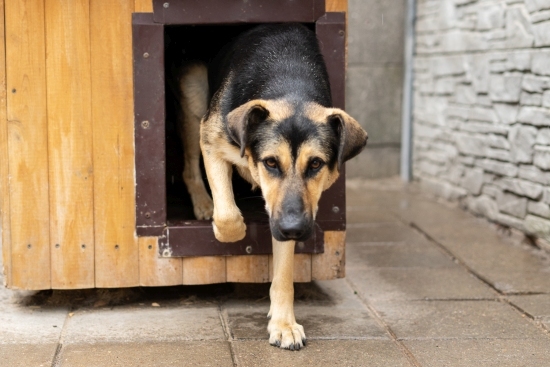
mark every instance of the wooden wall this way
{"type": "Point", "coordinates": [67, 158]}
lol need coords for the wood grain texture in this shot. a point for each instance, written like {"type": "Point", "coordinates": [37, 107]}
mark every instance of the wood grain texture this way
{"type": "Point", "coordinates": [143, 6]}
{"type": "Point", "coordinates": [27, 144]}
{"type": "Point", "coordinates": [336, 5]}
{"type": "Point", "coordinates": [248, 268]}
{"type": "Point", "coordinates": [332, 263]}
{"type": "Point", "coordinates": [70, 143]}
{"type": "Point", "coordinates": [204, 270]}
{"type": "Point", "coordinates": [302, 268]}
{"type": "Point", "coordinates": [4, 161]}
{"type": "Point", "coordinates": [154, 270]}
{"type": "Point", "coordinates": [116, 249]}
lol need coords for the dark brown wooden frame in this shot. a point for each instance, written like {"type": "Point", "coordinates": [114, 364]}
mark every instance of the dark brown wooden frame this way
{"type": "Point", "coordinates": [195, 237]}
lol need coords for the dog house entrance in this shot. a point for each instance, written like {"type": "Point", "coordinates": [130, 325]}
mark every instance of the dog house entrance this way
{"type": "Point", "coordinates": [163, 206]}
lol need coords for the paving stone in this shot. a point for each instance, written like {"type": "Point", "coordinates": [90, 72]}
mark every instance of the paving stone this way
{"type": "Point", "coordinates": [182, 353]}
{"type": "Point", "coordinates": [358, 215]}
{"type": "Point", "coordinates": [30, 325]}
{"type": "Point", "coordinates": [507, 267]}
{"type": "Point", "coordinates": [486, 353]}
{"type": "Point", "coordinates": [340, 315]}
{"type": "Point", "coordinates": [143, 324]}
{"type": "Point", "coordinates": [536, 305]}
{"type": "Point", "coordinates": [400, 255]}
{"type": "Point", "coordinates": [416, 283]}
{"type": "Point", "coordinates": [382, 232]}
{"type": "Point", "coordinates": [455, 319]}
{"type": "Point", "coordinates": [27, 355]}
{"type": "Point", "coordinates": [374, 353]}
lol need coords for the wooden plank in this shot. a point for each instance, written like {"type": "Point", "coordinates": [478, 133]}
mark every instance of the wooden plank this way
{"type": "Point", "coordinates": [204, 270]}
{"type": "Point", "coordinates": [4, 161]}
{"type": "Point", "coordinates": [143, 6]}
{"type": "Point", "coordinates": [331, 264]}
{"type": "Point", "coordinates": [27, 144]}
{"type": "Point", "coordinates": [154, 270]}
{"type": "Point", "coordinates": [70, 143]}
{"type": "Point", "coordinates": [248, 268]}
{"type": "Point", "coordinates": [302, 268]}
{"type": "Point", "coordinates": [116, 249]}
{"type": "Point", "coordinates": [336, 5]}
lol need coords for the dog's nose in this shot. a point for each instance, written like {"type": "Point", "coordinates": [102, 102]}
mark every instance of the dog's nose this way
{"type": "Point", "coordinates": [293, 228]}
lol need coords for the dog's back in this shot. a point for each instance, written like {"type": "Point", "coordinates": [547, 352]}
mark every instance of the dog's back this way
{"type": "Point", "coordinates": [270, 62]}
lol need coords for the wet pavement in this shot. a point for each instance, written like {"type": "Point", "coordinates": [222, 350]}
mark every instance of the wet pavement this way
{"type": "Point", "coordinates": [427, 284]}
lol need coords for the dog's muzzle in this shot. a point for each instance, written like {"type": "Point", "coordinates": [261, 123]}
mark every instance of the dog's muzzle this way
{"type": "Point", "coordinates": [292, 222]}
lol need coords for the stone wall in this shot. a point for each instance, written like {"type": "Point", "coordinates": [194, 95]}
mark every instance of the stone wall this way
{"type": "Point", "coordinates": [375, 82]}
{"type": "Point", "coordinates": [482, 107]}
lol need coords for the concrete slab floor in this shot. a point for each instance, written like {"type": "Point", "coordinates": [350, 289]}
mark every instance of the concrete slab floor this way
{"type": "Point", "coordinates": [427, 285]}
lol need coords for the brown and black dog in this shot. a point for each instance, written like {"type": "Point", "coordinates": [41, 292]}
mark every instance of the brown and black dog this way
{"type": "Point", "coordinates": [264, 107]}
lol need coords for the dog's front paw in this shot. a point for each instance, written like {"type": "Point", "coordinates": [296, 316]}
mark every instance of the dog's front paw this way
{"type": "Point", "coordinates": [286, 335]}
{"type": "Point", "coordinates": [229, 230]}
{"type": "Point", "coordinates": [203, 207]}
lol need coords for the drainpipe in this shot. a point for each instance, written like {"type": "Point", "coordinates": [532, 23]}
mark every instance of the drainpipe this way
{"type": "Point", "coordinates": [406, 118]}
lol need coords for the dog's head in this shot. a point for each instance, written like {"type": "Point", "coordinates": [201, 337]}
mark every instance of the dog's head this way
{"type": "Point", "coordinates": [295, 151]}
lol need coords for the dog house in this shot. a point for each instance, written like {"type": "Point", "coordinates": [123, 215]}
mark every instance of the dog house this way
{"type": "Point", "coordinates": [90, 165]}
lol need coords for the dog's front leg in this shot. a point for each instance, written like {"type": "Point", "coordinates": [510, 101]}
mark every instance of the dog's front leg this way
{"type": "Point", "coordinates": [228, 222]}
{"type": "Point", "coordinates": [283, 330]}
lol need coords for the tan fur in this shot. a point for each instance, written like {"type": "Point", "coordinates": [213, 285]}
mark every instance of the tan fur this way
{"type": "Point", "coordinates": [282, 327]}
{"type": "Point", "coordinates": [194, 97]}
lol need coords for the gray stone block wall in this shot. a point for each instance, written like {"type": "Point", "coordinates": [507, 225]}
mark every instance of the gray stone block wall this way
{"type": "Point", "coordinates": [375, 83]}
{"type": "Point", "coordinates": [482, 107]}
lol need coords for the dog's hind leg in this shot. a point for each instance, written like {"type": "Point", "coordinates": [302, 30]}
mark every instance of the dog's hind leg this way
{"type": "Point", "coordinates": [194, 98]}
{"type": "Point", "coordinates": [283, 330]}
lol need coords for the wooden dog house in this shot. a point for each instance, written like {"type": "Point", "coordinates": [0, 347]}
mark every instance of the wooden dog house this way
{"type": "Point", "coordinates": [87, 162]}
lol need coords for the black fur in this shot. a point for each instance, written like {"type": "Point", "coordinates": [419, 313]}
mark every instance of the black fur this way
{"type": "Point", "coordinates": [271, 62]}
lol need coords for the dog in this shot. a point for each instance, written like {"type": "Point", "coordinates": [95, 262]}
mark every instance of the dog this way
{"type": "Point", "coordinates": [263, 106]}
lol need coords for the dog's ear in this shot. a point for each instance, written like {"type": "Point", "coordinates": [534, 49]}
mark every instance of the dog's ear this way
{"type": "Point", "coordinates": [243, 118]}
{"type": "Point", "coordinates": [351, 136]}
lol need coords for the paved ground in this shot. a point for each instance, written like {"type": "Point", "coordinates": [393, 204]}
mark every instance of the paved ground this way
{"type": "Point", "coordinates": [427, 285]}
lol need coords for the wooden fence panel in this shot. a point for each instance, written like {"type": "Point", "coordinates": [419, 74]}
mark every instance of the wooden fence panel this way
{"type": "Point", "coordinates": [27, 144]}
{"type": "Point", "coordinates": [154, 270]}
{"type": "Point", "coordinates": [331, 264]}
{"type": "Point", "coordinates": [116, 250]}
{"type": "Point", "coordinates": [70, 143]}
{"type": "Point", "coordinates": [204, 270]}
{"type": "Point", "coordinates": [144, 6]}
{"type": "Point", "coordinates": [247, 268]}
{"type": "Point", "coordinates": [4, 160]}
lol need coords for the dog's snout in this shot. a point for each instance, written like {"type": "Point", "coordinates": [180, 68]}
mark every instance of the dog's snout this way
{"type": "Point", "coordinates": [293, 227]}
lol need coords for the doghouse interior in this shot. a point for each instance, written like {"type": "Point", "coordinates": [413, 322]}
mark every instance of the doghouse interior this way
{"type": "Point", "coordinates": [183, 43]}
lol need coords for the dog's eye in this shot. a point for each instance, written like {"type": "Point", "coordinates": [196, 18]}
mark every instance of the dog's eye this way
{"type": "Point", "coordinates": [315, 163]}
{"type": "Point", "coordinates": [270, 162]}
